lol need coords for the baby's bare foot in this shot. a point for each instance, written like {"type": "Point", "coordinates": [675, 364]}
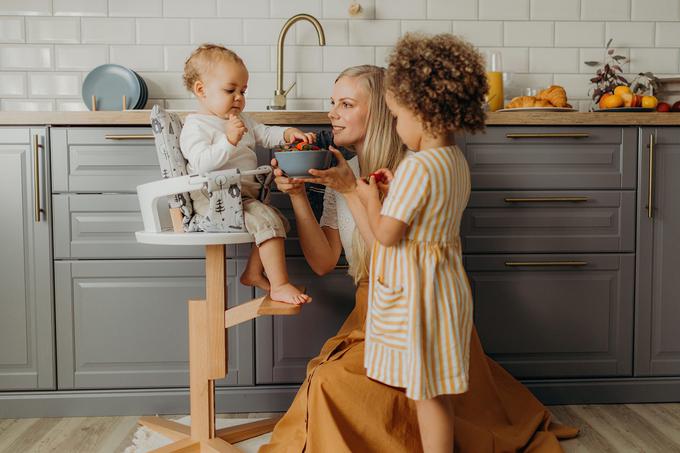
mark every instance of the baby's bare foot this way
{"type": "Point", "coordinates": [258, 280]}
{"type": "Point", "coordinates": [289, 294]}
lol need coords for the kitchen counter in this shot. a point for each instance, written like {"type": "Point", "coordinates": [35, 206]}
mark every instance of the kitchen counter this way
{"type": "Point", "coordinates": [141, 117]}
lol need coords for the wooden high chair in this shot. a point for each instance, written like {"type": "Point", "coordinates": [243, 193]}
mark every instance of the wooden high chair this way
{"type": "Point", "coordinates": [208, 321]}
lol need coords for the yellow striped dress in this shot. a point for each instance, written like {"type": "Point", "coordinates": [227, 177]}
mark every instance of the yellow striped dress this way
{"type": "Point", "coordinates": [420, 304]}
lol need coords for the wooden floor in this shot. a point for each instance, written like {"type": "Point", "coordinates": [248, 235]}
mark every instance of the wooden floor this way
{"type": "Point", "coordinates": [621, 428]}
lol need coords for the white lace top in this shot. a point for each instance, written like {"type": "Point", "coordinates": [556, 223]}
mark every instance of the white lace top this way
{"type": "Point", "coordinates": [336, 213]}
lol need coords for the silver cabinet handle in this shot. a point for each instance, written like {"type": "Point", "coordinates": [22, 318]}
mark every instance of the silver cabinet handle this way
{"type": "Point", "coordinates": [546, 199]}
{"type": "Point", "coordinates": [36, 176]}
{"type": "Point", "coordinates": [650, 189]}
{"type": "Point", "coordinates": [545, 263]}
{"type": "Point", "coordinates": [129, 137]}
{"type": "Point", "coordinates": [549, 135]}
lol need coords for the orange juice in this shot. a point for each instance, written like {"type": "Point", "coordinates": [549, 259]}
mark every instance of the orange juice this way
{"type": "Point", "coordinates": [495, 95]}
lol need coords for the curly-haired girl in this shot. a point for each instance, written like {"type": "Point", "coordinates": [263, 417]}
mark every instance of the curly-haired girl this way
{"type": "Point", "coordinates": [420, 316]}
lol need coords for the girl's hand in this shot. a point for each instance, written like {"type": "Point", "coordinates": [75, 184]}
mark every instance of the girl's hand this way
{"type": "Point", "coordinates": [285, 184]}
{"type": "Point", "coordinates": [292, 134]}
{"type": "Point", "coordinates": [367, 191]}
{"type": "Point", "coordinates": [383, 177]}
{"type": "Point", "coordinates": [339, 178]}
{"type": "Point", "coordinates": [235, 129]}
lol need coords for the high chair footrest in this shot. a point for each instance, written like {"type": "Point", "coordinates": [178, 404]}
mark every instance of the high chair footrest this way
{"type": "Point", "coordinates": [258, 307]}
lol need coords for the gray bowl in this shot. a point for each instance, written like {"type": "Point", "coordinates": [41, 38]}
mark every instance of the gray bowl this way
{"type": "Point", "coordinates": [298, 163]}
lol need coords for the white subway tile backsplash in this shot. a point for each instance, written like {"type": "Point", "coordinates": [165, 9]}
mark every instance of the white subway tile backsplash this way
{"type": "Point", "coordinates": [256, 58]}
{"type": "Point", "coordinates": [288, 8]}
{"type": "Point", "coordinates": [576, 85]}
{"type": "Point", "coordinates": [376, 33]}
{"type": "Point", "coordinates": [579, 34]}
{"type": "Point", "coordinates": [524, 34]}
{"type": "Point", "coordinates": [631, 34]}
{"type": "Point", "coordinates": [26, 105]}
{"type": "Point", "coordinates": [53, 84]}
{"type": "Point", "coordinates": [138, 58]}
{"type": "Point", "coordinates": [108, 31]}
{"type": "Point", "coordinates": [256, 104]}
{"type": "Point", "coordinates": [339, 9]}
{"type": "Point", "coordinates": [26, 7]}
{"type": "Point", "coordinates": [400, 9]}
{"type": "Point", "coordinates": [12, 29]}
{"type": "Point", "coordinates": [335, 59]}
{"type": "Point", "coordinates": [316, 85]}
{"type": "Point", "coordinates": [555, 9]}
{"type": "Point", "coordinates": [264, 31]}
{"type": "Point", "coordinates": [80, 7]}
{"type": "Point", "coordinates": [300, 58]}
{"type": "Point", "coordinates": [504, 9]}
{"type": "Point", "coordinates": [25, 56]}
{"type": "Point", "coordinates": [655, 60]}
{"type": "Point", "coordinates": [515, 59]}
{"type": "Point", "coordinates": [193, 8]}
{"type": "Point", "coordinates": [426, 26]}
{"type": "Point", "coordinates": [335, 31]}
{"type": "Point", "coordinates": [381, 55]}
{"type": "Point", "coordinates": [661, 10]}
{"type": "Point", "coordinates": [80, 57]}
{"type": "Point", "coordinates": [152, 102]}
{"type": "Point", "coordinates": [553, 60]}
{"type": "Point", "coordinates": [481, 34]}
{"type": "Point", "coordinates": [234, 8]}
{"type": "Point", "coordinates": [71, 105]}
{"type": "Point", "coordinates": [162, 31]}
{"type": "Point", "coordinates": [305, 104]}
{"type": "Point", "coordinates": [599, 55]}
{"type": "Point", "coordinates": [165, 85]}
{"type": "Point", "coordinates": [217, 31]}
{"type": "Point", "coordinates": [53, 29]}
{"type": "Point", "coordinates": [667, 34]}
{"type": "Point", "coordinates": [182, 104]}
{"type": "Point", "coordinates": [515, 83]}
{"type": "Point", "coordinates": [175, 56]}
{"type": "Point", "coordinates": [262, 85]}
{"type": "Point", "coordinates": [605, 9]}
{"type": "Point", "coordinates": [451, 9]}
{"type": "Point", "coordinates": [135, 8]}
{"type": "Point", "coordinates": [12, 84]}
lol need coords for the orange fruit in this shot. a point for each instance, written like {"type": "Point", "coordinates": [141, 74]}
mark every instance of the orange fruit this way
{"type": "Point", "coordinates": [611, 102]}
{"type": "Point", "coordinates": [649, 102]}
{"type": "Point", "coordinates": [619, 90]}
{"type": "Point", "coordinates": [602, 98]}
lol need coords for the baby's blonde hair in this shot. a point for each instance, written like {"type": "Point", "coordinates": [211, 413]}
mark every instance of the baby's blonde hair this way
{"type": "Point", "coordinates": [382, 148]}
{"type": "Point", "coordinates": [201, 60]}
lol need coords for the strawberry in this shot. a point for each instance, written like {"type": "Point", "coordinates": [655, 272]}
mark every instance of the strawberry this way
{"type": "Point", "coordinates": [379, 177]}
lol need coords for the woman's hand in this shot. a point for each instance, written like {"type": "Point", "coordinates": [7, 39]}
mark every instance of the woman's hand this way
{"type": "Point", "coordinates": [367, 192]}
{"type": "Point", "coordinates": [339, 178]}
{"type": "Point", "coordinates": [285, 184]}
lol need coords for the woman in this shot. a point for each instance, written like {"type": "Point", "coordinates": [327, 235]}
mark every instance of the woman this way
{"type": "Point", "coordinates": [338, 408]}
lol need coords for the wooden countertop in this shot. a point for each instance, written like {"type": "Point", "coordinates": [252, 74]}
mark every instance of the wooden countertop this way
{"type": "Point", "coordinates": [141, 118]}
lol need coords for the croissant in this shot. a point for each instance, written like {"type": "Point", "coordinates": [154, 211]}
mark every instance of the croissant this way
{"type": "Point", "coordinates": [554, 94]}
{"type": "Point", "coordinates": [521, 101]}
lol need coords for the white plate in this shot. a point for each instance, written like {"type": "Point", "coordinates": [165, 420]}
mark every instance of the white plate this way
{"type": "Point", "coordinates": [541, 109]}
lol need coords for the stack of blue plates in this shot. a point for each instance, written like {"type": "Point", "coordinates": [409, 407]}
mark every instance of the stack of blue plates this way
{"type": "Point", "coordinates": [109, 83]}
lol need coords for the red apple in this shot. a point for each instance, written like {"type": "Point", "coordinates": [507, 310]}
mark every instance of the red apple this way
{"type": "Point", "coordinates": [676, 107]}
{"type": "Point", "coordinates": [663, 107]}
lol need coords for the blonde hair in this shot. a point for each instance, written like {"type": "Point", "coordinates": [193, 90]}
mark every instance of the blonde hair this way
{"type": "Point", "coordinates": [201, 60]}
{"type": "Point", "coordinates": [382, 148]}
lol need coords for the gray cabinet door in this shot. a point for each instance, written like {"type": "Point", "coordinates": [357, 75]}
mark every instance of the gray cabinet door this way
{"type": "Point", "coordinates": [658, 274]}
{"type": "Point", "coordinates": [26, 322]}
{"type": "Point", "coordinates": [555, 321]}
{"type": "Point", "coordinates": [123, 324]}
{"type": "Point", "coordinates": [284, 344]}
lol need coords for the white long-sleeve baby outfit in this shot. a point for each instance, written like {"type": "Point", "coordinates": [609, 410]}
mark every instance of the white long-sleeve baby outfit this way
{"type": "Point", "coordinates": [205, 145]}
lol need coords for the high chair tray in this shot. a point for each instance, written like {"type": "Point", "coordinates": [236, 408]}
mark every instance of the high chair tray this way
{"type": "Point", "coordinates": [172, 238]}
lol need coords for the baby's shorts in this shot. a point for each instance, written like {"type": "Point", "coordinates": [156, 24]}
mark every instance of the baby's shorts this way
{"type": "Point", "coordinates": [263, 221]}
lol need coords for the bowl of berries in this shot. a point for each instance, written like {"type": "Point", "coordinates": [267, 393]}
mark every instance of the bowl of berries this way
{"type": "Point", "coordinates": [297, 158]}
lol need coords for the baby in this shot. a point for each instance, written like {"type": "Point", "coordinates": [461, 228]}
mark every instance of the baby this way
{"type": "Point", "coordinates": [221, 137]}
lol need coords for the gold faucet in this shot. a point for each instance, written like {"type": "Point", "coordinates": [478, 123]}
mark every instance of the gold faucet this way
{"type": "Point", "coordinates": [280, 94]}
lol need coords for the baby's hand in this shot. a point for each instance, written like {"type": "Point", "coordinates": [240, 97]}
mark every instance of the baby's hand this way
{"type": "Point", "coordinates": [235, 129]}
{"type": "Point", "coordinates": [367, 190]}
{"type": "Point", "coordinates": [291, 134]}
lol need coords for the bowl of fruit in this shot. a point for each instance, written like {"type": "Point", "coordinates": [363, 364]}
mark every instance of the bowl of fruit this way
{"type": "Point", "coordinates": [297, 158]}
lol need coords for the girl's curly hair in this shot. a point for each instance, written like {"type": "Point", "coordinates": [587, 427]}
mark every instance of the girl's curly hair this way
{"type": "Point", "coordinates": [202, 58]}
{"type": "Point", "coordinates": [441, 79]}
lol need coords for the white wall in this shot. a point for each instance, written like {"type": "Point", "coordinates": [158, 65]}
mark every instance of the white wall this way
{"type": "Point", "coordinates": [47, 47]}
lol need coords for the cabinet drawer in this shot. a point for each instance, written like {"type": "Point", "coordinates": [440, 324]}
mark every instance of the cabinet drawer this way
{"type": "Point", "coordinates": [95, 159]}
{"type": "Point", "coordinates": [103, 227]}
{"type": "Point", "coordinates": [552, 158]}
{"type": "Point", "coordinates": [123, 324]}
{"type": "Point", "coordinates": [555, 315]}
{"type": "Point", "coordinates": [543, 221]}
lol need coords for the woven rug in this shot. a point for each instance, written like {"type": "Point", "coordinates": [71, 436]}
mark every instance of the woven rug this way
{"type": "Point", "coordinates": [146, 440]}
